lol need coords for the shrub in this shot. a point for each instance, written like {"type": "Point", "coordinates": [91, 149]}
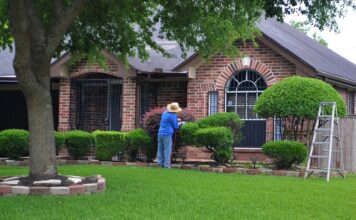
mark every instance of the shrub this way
{"type": "Point", "coordinates": [296, 100]}
{"type": "Point", "coordinates": [187, 133]}
{"type": "Point", "coordinates": [137, 140]}
{"type": "Point", "coordinates": [78, 143]}
{"type": "Point", "coordinates": [108, 144]}
{"type": "Point", "coordinates": [151, 121]}
{"type": "Point", "coordinates": [218, 140]}
{"type": "Point", "coordinates": [14, 143]}
{"type": "Point", "coordinates": [228, 119]}
{"type": "Point", "coordinates": [59, 140]}
{"type": "Point", "coordinates": [285, 153]}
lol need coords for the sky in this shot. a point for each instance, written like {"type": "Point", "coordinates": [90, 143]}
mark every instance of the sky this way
{"type": "Point", "coordinates": [343, 43]}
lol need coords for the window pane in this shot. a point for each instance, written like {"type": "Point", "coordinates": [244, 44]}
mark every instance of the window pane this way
{"type": "Point", "coordinates": [250, 113]}
{"type": "Point", "coordinates": [230, 109]}
{"type": "Point", "coordinates": [251, 98]}
{"type": "Point", "coordinates": [230, 99]}
{"type": "Point", "coordinates": [240, 110]}
{"type": "Point", "coordinates": [213, 102]}
{"type": "Point", "coordinates": [241, 98]}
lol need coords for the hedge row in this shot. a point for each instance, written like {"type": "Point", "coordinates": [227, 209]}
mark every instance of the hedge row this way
{"type": "Point", "coordinates": [14, 143]}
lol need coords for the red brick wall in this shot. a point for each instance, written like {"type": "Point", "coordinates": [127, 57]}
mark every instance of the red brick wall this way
{"type": "Point", "coordinates": [218, 70]}
{"type": "Point", "coordinates": [128, 104]}
{"type": "Point", "coordinates": [172, 92]}
{"type": "Point", "coordinates": [64, 105]}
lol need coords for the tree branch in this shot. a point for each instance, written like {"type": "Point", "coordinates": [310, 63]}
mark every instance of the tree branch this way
{"type": "Point", "coordinates": [63, 18]}
{"type": "Point", "coordinates": [36, 26]}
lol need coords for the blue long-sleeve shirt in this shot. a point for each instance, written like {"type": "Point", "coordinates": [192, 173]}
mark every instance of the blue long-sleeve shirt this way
{"type": "Point", "coordinates": [169, 123]}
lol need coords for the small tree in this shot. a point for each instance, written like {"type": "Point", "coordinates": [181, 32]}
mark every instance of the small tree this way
{"type": "Point", "coordinates": [295, 100]}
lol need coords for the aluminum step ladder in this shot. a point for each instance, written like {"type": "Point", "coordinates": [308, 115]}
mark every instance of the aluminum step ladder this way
{"type": "Point", "coordinates": [326, 152]}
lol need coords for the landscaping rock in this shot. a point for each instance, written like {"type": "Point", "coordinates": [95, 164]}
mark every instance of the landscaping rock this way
{"type": "Point", "coordinates": [217, 169]}
{"type": "Point", "coordinates": [83, 162]}
{"type": "Point", "coordinates": [59, 190]}
{"type": "Point", "coordinates": [107, 163]}
{"type": "Point", "coordinates": [20, 190]}
{"type": "Point", "coordinates": [4, 189]}
{"type": "Point", "coordinates": [51, 182]}
{"type": "Point", "coordinates": [11, 178]}
{"type": "Point", "coordinates": [229, 170]}
{"type": "Point", "coordinates": [253, 171]}
{"type": "Point", "coordinates": [75, 180]}
{"type": "Point", "coordinates": [266, 171]}
{"type": "Point", "coordinates": [77, 189]}
{"type": "Point", "coordinates": [176, 166]}
{"type": "Point", "coordinates": [11, 182]}
{"type": "Point", "coordinates": [292, 173]}
{"type": "Point", "coordinates": [91, 187]}
{"type": "Point", "coordinates": [12, 163]}
{"type": "Point", "coordinates": [39, 190]}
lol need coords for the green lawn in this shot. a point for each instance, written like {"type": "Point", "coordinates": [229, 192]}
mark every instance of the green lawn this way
{"type": "Point", "coordinates": [153, 193]}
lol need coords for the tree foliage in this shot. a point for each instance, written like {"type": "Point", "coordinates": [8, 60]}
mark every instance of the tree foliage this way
{"type": "Point", "coordinates": [127, 27]}
{"type": "Point", "coordinates": [295, 100]}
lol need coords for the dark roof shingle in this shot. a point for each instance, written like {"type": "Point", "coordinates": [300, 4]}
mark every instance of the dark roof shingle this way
{"type": "Point", "coordinates": [319, 57]}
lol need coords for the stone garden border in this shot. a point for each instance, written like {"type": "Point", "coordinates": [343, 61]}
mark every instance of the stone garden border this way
{"type": "Point", "coordinates": [86, 188]}
{"type": "Point", "coordinates": [101, 183]}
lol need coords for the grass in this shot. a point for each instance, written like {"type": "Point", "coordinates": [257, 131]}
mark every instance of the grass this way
{"type": "Point", "coordinates": [153, 193]}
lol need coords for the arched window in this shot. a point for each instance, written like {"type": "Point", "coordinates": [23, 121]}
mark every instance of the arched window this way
{"type": "Point", "coordinates": [242, 92]}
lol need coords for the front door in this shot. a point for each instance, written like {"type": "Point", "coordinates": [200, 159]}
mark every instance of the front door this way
{"type": "Point", "coordinates": [241, 94]}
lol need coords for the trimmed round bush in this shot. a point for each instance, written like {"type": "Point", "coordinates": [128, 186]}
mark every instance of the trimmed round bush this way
{"type": "Point", "coordinates": [187, 133]}
{"type": "Point", "coordinates": [108, 144]}
{"type": "Point", "coordinates": [137, 140]}
{"type": "Point", "coordinates": [285, 153]}
{"type": "Point", "coordinates": [78, 143]}
{"type": "Point", "coordinates": [14, 143]}
{"type": "Point", "coordinates": [297, 97]}
{"type": "Point", "coordinates": [218, 140]}
{"type": "Point", "coordinates": [59, 140]}
{"type": "Point", "coordinates": [226, 119]}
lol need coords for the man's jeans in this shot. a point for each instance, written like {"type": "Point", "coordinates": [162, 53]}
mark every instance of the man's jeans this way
{"type": "Point", "coordinates": [164, 151]}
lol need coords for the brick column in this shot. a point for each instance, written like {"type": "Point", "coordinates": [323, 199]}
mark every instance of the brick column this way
{"type": "Point", "coordinates": [128, 104]}
{"type": "Point", "coordinates": [64, 105]}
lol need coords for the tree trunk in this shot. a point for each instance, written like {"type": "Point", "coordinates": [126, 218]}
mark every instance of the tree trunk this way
{"type": "Point", "coordinates": [42, 150]}
{"type": "Point", "coordinates": [40, 120]}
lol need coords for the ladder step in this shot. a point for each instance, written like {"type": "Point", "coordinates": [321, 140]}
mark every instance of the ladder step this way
{"type": "Point", "coordinates": [327, 103]}
{"type": "Point", "coordinates": [331, 151]}
{"type": "Point", "coordinates": [321, 143]}
{"type": "Point", "coordinates": [319, 156]}
{"type": "Point", "coordinates": [324, 116]}
{"type": "Point", "coordinates": [323, 129]}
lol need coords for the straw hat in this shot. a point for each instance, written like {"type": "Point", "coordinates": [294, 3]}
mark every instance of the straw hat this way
{"type": "Point", "coordinates": [173, 107]}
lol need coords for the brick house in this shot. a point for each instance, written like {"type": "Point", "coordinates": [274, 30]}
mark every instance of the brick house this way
{"type": "Point", "coordinates": [89, 97]}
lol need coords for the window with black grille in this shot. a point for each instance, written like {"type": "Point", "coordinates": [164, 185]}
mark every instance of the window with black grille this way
{"type": "Point", "coordinates": [213, 102]}
{"type": "Point", "coordinates": [351, 103]}
{"type": "Point", "coordinates": [242, 92]}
